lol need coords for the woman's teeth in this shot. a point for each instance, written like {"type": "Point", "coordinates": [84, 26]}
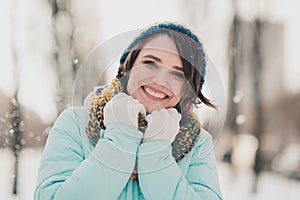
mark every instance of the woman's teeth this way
{"type": "Point", "coordinates": [155, 94]}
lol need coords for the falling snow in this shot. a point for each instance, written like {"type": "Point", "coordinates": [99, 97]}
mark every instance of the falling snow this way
{"type": "Point", "coordinates": [36, 46]}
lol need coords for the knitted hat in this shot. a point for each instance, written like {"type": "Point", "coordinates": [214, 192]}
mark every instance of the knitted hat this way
{"type": "Point", "coordinates": [148, 31]}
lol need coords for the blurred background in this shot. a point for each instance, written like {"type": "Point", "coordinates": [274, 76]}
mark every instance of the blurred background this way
{"type": "Point", "coordinates": [254, 46]}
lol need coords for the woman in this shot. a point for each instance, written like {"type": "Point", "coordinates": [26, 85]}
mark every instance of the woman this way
{"type": "Point", "coordinates": [138, 138]}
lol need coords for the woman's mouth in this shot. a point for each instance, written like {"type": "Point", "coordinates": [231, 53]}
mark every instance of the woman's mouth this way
{"type": "Point", "coordinates": [154, 94]}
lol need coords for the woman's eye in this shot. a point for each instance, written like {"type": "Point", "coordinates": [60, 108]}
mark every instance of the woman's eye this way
{"type": "Point", "coordinates": [179, 75]}
{"type": "Point", "coordinates": [150, 63]}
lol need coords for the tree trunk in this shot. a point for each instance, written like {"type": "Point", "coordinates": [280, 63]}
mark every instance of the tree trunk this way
{"type": "Point", "coordinates": [15, 132]}
{"type": "Point", "coordinates": [234, 60]}
{"type": "Point", "coordinates": [257, 99]}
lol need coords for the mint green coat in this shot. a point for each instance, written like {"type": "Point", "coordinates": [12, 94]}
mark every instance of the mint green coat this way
{"type": "Point", "coordinates": [71, 168]}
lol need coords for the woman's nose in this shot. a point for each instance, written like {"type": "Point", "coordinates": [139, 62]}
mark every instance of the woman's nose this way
{"type": "Point", "coordinates": [161, 78]}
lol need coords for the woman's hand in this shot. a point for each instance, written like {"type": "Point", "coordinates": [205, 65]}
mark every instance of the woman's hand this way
{"type": "Point", "coordinates": [123, 109]}
{"type": "Point", "coordinates": [163, 124]}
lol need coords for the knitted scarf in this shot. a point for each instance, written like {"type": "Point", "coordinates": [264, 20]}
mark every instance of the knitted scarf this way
{"type": "Point", "coordinates": [184, 141]}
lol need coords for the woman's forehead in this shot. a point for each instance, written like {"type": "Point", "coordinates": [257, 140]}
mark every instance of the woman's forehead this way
{"type": "Point", "coordinates": [161, 43]}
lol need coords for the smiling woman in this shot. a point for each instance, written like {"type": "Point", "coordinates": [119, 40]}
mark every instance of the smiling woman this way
{"type": "Point", "coordinates": [156, 77]}
{"type": "Point", "coordinates": [138, 137]}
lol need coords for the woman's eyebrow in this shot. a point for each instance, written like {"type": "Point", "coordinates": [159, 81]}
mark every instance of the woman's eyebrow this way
{"type": "Point", "coordinates": [178, 68]}
{"type": "Point", "coordinates": [159, 60]}
{"type": "Point", "coordinates": [153, 57]}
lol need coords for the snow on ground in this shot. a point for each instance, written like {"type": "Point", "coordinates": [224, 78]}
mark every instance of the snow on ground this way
{"type": "Point", "coordinates": [28, 167]}
{"type": "Point", "coordinates": [235, 185]}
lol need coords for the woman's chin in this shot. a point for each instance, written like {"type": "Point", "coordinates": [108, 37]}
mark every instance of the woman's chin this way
{"type": "Point", "coordinates": [154, 107]}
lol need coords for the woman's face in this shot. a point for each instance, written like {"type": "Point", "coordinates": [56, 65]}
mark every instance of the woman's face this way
{"type": "Point", "coordinates": [156, 78]}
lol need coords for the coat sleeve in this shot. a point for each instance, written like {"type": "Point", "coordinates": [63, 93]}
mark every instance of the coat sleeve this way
{"type": "Point", "coordinates": [161, 178]}
{"type": "Point", "coordinates": [64, 173]}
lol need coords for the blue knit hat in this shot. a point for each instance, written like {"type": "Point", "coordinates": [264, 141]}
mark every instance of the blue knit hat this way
{"type": "Point", "coordinates": [171, 26]}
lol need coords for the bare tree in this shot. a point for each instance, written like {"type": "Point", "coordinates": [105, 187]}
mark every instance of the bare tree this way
{"type": "Point", "coordinates": [257, 98]}
{"type": "Point", "coordinates": [234, 61]}
{"type": "Point", "coordinates": [15, 131]}
{"type": "Point", "coordinates": [77, 32]}
{"type": "Point", "coordinates": [234, 56]}
{"type": "Point", "coordinates": [66, 67]}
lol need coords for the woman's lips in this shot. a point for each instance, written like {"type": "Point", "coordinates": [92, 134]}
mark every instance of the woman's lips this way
{"type": "Point", "coordinates": [154, 94]}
